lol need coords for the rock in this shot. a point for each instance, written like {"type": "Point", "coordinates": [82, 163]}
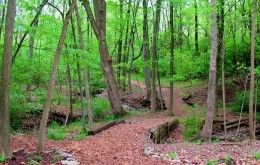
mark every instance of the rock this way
{"type": "Point", "coordinates": [148, 151]}
{"type": "Point", "coordinates": [66, 162]}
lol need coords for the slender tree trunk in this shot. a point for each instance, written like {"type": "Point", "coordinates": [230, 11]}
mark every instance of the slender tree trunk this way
{"type": "Point", "coordinates": [82, 48]}
{"type": "Point", "coordinates": [120, 45]}
{"type": "Point", "coordinates": [69, 80]}
{"type": "Point", "coordinates": [252, 74]}
{"type": "Point", "coordinates": [146, 51]}
{"type": "Point", "coordinates": [89, 100]}
{"type": "Point", "coordinates": [5, 145]}
{"type": "Point", "coordinates": [2, 18]}
{"type": "Point", "coordinates": [47, 104]}
{"type": "Point", "coordinates": [180, 28]}
{"type": "Point", "coordinates": [154, 103]}
{"type": "Point", "coordinates": [171, 111]}
{"type": "Point", "coordinates": [126, 46]}
{"type": "Point", "coordinates": [211, 99]}
{"type": "Point", "coordinates": [223, 87]}
{"type": "Point", "coordinates": [196, 28]}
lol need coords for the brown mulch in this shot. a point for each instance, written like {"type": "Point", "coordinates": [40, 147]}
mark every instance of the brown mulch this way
{"type": "Point", "coordinates": [122, 144]}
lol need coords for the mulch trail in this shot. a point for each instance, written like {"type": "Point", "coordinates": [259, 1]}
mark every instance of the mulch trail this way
{"type": "Point", "coordinates": [122, 144]}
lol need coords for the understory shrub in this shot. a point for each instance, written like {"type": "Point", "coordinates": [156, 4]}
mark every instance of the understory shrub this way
{"type": "Point", "coordinates": [192, 126]}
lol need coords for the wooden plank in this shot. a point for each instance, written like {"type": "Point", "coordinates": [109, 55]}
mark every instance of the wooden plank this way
{"type": "Point", "coordinates": [106, 126]}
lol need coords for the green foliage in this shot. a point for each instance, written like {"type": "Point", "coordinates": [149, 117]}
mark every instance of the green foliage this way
{"type": "Point", "coordinates": [2, 158]}
{"type": "Point", "coordinates": [257, 155]}
{"type": "Point", "coordinates": [211, 162]}
{"type": "Point", "coordinates": [72, 130]}
{"type": "Point", "coordinates": [192, 126]}
{"type": "Point", "coordinates": [228, 159]}
{"type": "Point", "coordinates": [173, 155]}
{"type": "Point", "coordinates": [237, 103]}
{"type": "Point", "coordinates": [101, 108]}
{"type": "Point", "coordinates": [56, 132]}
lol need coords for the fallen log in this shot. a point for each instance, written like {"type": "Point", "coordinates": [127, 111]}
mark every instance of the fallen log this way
{"type": "Point", "coordinates": [106, 126]}
{"type": "Point", "coordinates": [161, 133]}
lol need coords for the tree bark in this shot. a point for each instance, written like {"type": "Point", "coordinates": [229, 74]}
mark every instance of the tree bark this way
{"type": "Point", "coordinates": [5, 145]}
{"type": "Point", "coordinates": [252, 74]}
{"type": "Point", "coordinates": [196, 28]}
{"type": "Point", "coordinates": [171, 111]}
{"type": "Point", "coordinates": [47, 104]}
{"type": "Point", "coordinates": [146, 51]}
{"type": "Point", "coordinates": [120, 44]}
{"type": "Point", "coordinates": [211, 99]}
{"type": "Point", "coordinates": [89, 101]}
{"type": "Point", "coordinates": [98, 25]}
{"type": "Point", "coordinates": [154, 103]}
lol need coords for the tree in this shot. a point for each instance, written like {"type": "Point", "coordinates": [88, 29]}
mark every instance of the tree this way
{"type": "Point", "coordinates": [5, 145]}
{"type": "Point", "coordinates": [196, 28]}
{"type": "Point", "coordinates": [47, 104]}
{"type": "Point", "coordinates": [146, 51]}
{"type": "Point", "coordinates": [154, 102]}
{"type": "Point", "coordinates": [252, 74]}
{"type": "Point", "coordinates": [211, 98]}
{"type": "Point", "coordinates": [98, 24]}
{"type": "Point", "coordinates": [171, 56]}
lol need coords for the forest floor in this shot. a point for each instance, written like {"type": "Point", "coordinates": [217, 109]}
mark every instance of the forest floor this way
{"type": "Point", "coordinates": [125, 143]}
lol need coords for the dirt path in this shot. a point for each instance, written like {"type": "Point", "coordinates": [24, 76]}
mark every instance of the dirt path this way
{"type": "Point", "coordinates": [122, 144]}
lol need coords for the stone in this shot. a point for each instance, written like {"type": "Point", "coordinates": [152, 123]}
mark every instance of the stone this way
{"type": "Point", "coordinates": [66, 162]}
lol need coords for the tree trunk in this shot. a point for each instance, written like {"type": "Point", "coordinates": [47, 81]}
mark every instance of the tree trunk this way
{"type": "Point", "coordinates": [2, 18]}
{"type": "Point", "coordinates": [5, 145]}
{"type": "Point", "coordinates": [146, 51]}
{"type": "Point", "coordinates": [89, 100]}
{"type": "Point", "coordinates": [252, 74]}
{"type": "Point", "coordinates": [99, 27]}
{"type": "Point", "coordinates": [171, 111]}
{"type": "Point", "coordinates": [196, 28]}
{"type": "Point", "coordinates": [82, 48]}
{"type": "Point", "coordinates": [120, 45]}
{"type": "Point", "coordinates": [47, 104]}
{"type": "Point", "coordinates": [154, 103]}
{"type": "Point", "coordinates": [211, 99]}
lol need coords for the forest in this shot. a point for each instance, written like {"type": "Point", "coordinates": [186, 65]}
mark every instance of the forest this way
{"type": "Point", "coordinates": [129, 82]}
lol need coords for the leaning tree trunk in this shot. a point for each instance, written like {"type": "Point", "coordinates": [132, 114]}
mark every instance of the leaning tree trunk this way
{"type": "Point", "coordinates": [47, 104]}
{"type": "Point", "coordinates": [98, 24]}
{"type": "Point", "coordinates": [252, 75]}
{"type": "Point", "coordinates": [211, 99]}
{"type": "Point", "coordinates": [5, 145]}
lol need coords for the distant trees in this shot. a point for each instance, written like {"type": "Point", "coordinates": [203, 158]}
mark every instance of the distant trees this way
{"type": "Point", "coordinates": [5, 141]}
